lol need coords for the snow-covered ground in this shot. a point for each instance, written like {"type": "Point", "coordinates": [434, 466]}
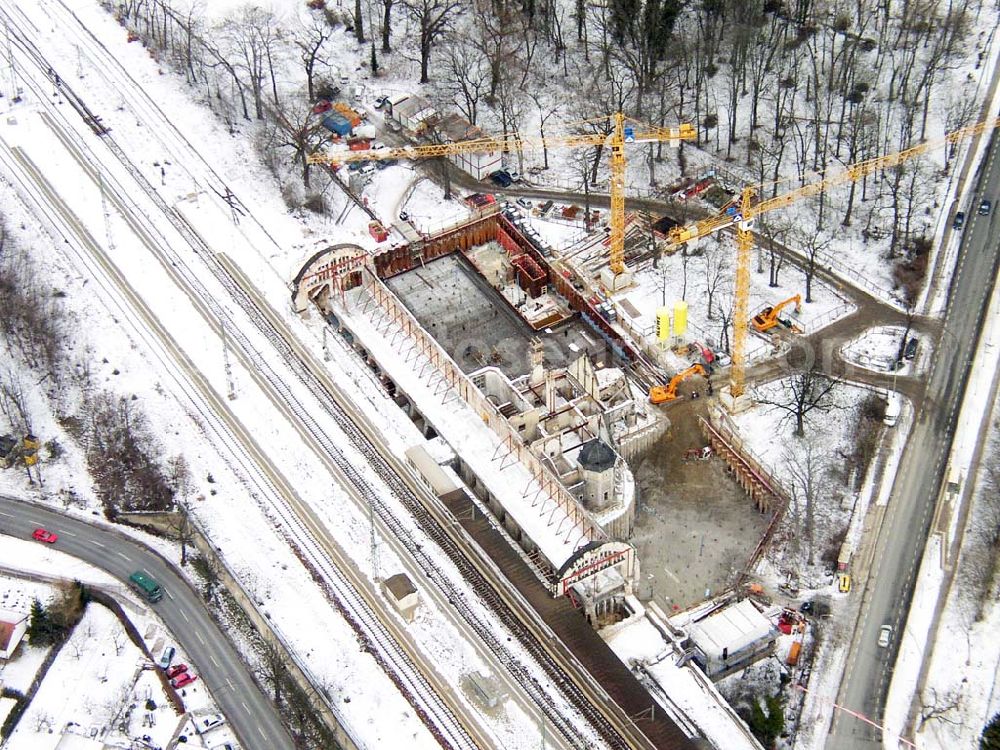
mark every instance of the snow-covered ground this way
{"type": "Point", "coordinates": [243, 526]}
{"type": "Point", "coordinates": [235, 511]}
{"type": "Point", "coordinates": [877, 348]}
{"type": "Point", "coordinates": [99, 655]}
{"type": "Point", "coordinates": [89, 688]}
{"type": "Point", "coordinates": [696, 278]}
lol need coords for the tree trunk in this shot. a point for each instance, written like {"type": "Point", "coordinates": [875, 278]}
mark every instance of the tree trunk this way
{"type": "Point", "coordinates": [359, 29]}
{"type": "Point", "coordinates": [386, 24]}
{"type": "Point", "coordinates": [425, 57]}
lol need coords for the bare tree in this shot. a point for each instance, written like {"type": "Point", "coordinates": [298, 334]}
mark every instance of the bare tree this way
{"type": "Point", "coordinates": [253, 35]}
{"type": "Point", "coordinates": [545, 111]}
{"type": "Point", "coordinates": [945, 708]}
{"type": "Point", "coordinates": [387, 6]}
{"type": "Point", "coordinates": [806, 391]}
{"type": "Point", "coordinates": [359, 28]}
{"type": "Point", "coordinates": [311, 41]}
{"type": "Point", "coordinates": [467, 74]}
{"type": "Point", "coordinates": [12, 402]}
{"type": "Point", "coordinates": [433, 18]}
{"type": "Point", "coordinates": [717, 270]}
{"type": "Point", "coordinates": [812, 245]}
{"type": "Point", "coordinates": [808, 470]}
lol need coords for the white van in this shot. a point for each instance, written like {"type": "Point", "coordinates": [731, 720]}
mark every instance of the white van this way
{"type": "Point", "coordinates": [893, 406]}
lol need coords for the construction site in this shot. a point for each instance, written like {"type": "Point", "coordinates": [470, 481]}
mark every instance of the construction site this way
{"type": "Point", "coordinates": [579, 375]}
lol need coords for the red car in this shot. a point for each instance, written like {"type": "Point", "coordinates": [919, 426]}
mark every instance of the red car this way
{"type": "Point", "coordinates": [41, 535]}
{"type": "Point", "coordinates": [176, 669]}
{"type": "Point", "coordinates": [322, 106]}
{"type": "Point", "coordinates": [185, 678]}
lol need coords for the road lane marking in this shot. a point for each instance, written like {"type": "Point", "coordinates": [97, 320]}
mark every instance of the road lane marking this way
{"type": "Point", "coordinates": [228, 681]}
{"type": "Point", "coordinates": [184, 615]}
{"type": "Point", "coordinates": [261, 732]}
{"type": "Point", "coordinates": [197, 634]}
{"type": "Point", "coordinates": [169, 595]}
{"type": "Point", "coordinates": [123, 556]}
{"type": "Point", "coordinates": [68, 533]}
{"type": "Point", "coordinates": [245, 706]}
{"type": "Point", "coordinates": [98, 544]}
{"type": "Point", "coordinates": [212, 657]}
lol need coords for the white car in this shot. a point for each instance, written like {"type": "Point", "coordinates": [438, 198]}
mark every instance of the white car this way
{"type": "Point", "coordinates": [884, 636]}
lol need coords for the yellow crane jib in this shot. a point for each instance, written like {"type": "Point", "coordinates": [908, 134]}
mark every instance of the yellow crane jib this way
{"type": "Point", "coordinates": [622, 130]}
{"type": "Point", "coordinates": [746, 207]}
{"type": "Point", "coordinates": [661, 393]}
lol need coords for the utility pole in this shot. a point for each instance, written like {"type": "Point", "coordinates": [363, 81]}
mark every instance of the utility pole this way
{"type": "Point", "coordinates": [230, 382]}
{"type": "Point", "coordinates": [374, 540]}
{"type": "Point", "coordinates": [107, 214]}
{"type": "Point", "coordinates": [12, 90]}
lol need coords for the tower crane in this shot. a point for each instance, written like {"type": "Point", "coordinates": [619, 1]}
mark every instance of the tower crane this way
{"type": "Point", "coordinates": [624, 130]}
{"type": "Point", "coordinates": [748, 205]}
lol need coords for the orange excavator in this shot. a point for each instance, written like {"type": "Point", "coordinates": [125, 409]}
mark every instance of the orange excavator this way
{"type": "Point", "coordinates": [768, 319]}
{"type": "Point", "coordinates": [661, 393]}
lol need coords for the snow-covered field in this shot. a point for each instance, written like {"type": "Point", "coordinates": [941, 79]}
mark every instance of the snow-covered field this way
{"type": "Point", "coordinates": [90, 687]}
{"type": "Point", "coordinates": [811, 468]}
{"type": "Point", "coordinates": [877, 348]}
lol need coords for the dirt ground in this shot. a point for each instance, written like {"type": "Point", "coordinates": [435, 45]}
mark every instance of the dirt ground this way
{"type": "Point", "coordinates": [695, 527]}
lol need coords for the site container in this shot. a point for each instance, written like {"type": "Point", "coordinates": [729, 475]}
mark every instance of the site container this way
{"type": "Point", "coordinates": [337, 124]}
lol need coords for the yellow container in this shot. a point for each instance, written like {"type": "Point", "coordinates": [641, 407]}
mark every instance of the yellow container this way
{"type": "Point", "coordinates": [680, 317]}
{"type": "Point", "coordinates": [662, 323]}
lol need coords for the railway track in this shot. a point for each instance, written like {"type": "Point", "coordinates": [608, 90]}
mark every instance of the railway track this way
{"type": "Point", "coordinates": [431, 518]}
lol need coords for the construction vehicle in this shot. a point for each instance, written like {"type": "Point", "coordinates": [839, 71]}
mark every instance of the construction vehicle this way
{"type": "Point", "coordinates": [769, 318]}
{"type": "Point", "coordinates": [622, 130]}
{"type": "Point", "coordinates": [658, 394]}
{"type": "Point", "coordinates": [749, 204]}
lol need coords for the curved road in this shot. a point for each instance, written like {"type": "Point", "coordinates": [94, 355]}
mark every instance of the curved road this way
{"type": "Point", "coordinates": [251, 715]}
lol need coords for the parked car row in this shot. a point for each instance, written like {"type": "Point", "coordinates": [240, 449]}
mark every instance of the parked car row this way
{"type": "Point", "coordinates": [178, 674]}
{"type": "Point", "coordinates": [504, 178]}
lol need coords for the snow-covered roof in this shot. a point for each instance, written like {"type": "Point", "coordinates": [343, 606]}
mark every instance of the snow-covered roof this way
{"type": "Point", "coordinates": [733, 628]}
{"type": "Point", "coordinates": [480, 448]}
{"type": "Point", "coordinates": [439, 482]}
{"type": "Point", "coordinates": [78, 742]}
{"type": "Point", "coordinates": [12, 628]}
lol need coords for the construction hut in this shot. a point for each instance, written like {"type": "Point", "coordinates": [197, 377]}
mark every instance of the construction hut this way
{"type": "Point", "coordinates": [412, 113]}
{"type": "Point", "coordinates": [399, 590]}
{"type": "Point", "coordinates": [454, 128]}
{"type": "Point", "coordinates": [732, 638]}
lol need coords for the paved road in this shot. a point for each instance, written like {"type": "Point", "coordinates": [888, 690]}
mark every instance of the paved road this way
{"type": "Point", "coordinates": [251, 715]}
{"type": "Point", "coordinates": [905, 527]}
